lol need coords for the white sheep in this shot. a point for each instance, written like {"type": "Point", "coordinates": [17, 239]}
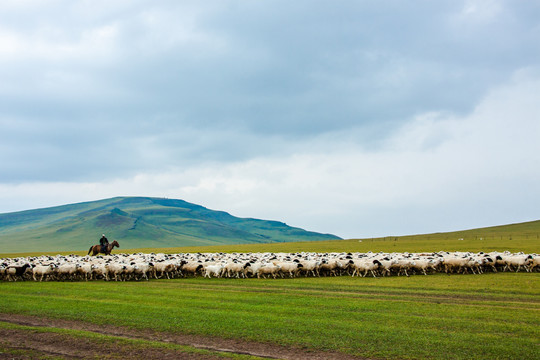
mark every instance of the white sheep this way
{"type": "Point", "coordinates": [535, 263]}
{"type": "Point", "coordinates": [100, 270]}
{"type": "Point", "coordinates": [310, 267]}
{"type": "Point", "coordinates": [289, 267]}
{"type": "Point", "coordinates": [386, 265]}
{"type": "Point", "coordinates": [142, 269]}
{"type": "Point", "coordinates": [191, 267]}
{"type": "Point", "coordinates": [452, 264]}
{"type": "Point", "coordinates": [164, 268]}
{"type": "Point", "coordinates": [213, 270]}
{"type": "Point", "coordinates": [401, 265]}
{"type": "Point", "coordinates": [66, 271]}
{"type": "Point", "coordinates": [365, 265]}
{"type": "Point", "coordinates": [252, 268]}
{"type": "Point", "coordinates": [139, 266]}
{"type": "Point", "coordinates": [234, 268]}
{"type": "Point", "coordinates": [422, 265]}
{"type": "Point", "coordinates": [268, 269]}
{"type": "Point", "coordinates": [116, 270]}
{"type": "Point", "coordinates": [518, 261]}
{"type": "Point", "coordinates": [43, 271]}
{"type": "Point", "coordinates": [129, 271]}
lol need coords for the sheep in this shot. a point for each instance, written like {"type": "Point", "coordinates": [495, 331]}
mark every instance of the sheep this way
{"type": "Point", "coordinates": [437, 263]}
{"type": "Point", "coordinates": [44, 271]}
{"type": "Point", "coordinates": [3, 270]}
{"type": "Point", "coordinates": [17, 271]}
{"type": "Point", "coordinates": [332, 267]}
{"type": "Point", "coordinates": [240, 265]}
{"type": "Point", "coordinates": [386, 265]}
{"type": "Point", "coordinates": [310, 266]}
{"type": "Point", "coordinates": [401, 265]}
{"type": "Point", "coordinates": [471, 264]}
{"type": "Point", "coordinates": [191, 267]}
{"type": "Point", "coordinates": [101, 271]}
{"type": "Point", "coordinates": [289, 267]}
{"type": "Point", "coordinates": [268, 269]}
{"type": "Point", "coordinates": [498, 259]}
{"type": "Point", "coordinates": [454, 263]}
{"type": "Point", "coordinates": [129, 271]}
{"type": "Point", "coordinates": [518, 261]}
{"type": "Point", "coordinates": [234, 268]}
{"type": "Point", "coordinates": [213, 270]}
{"type": "Point", "coordinates": [66, 271]}
{"type": "Point", "coordinates": [85, 270]}
{"type": "Point", "coordinates": [143, 269]}
{"type": "Point", "coordinates": [164, 268]}
{"type": "Point", "coordinates": [252, 268]}
{"type": "Point", "coordinates": [422, 265]}
{"type": "Point", "coordinates": [535, 263]}
{"type": "Point", "coordinates": [366, 266]}
{"type": "Point", "coordinates": [357, 266]}
{"type": "Point", "coordinates": [116, 270]}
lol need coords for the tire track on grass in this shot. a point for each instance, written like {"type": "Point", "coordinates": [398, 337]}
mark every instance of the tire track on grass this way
{"type": "Point", "coordinates": [211, 344]}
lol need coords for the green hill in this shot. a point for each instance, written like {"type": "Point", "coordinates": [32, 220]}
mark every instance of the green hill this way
{"type": "Point", "coordinates": [137, 222]}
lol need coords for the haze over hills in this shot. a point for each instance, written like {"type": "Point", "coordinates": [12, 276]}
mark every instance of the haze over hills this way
{"type": "Point", "coordinates": [138, 222]}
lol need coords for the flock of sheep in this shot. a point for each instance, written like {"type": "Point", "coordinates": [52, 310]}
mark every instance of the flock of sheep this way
{"type": "Point", "coordinates": [141, 266]}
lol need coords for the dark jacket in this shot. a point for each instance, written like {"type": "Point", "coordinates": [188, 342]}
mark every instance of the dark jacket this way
{"type": "Point", "coordinates": [103, 241]}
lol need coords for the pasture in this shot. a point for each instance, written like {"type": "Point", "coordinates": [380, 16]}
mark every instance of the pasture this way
{"type": "Point", "coordinates": [514, 238]}
{"type": "Point", "coordinates": [487, 316]}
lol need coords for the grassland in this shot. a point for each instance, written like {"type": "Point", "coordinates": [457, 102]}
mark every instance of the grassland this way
{"type": "Point", "coordinates": [517, 237]}
{"type": "Point", "coordinates": [89, 344]}
{"type": "Point", "coordinates": [488, 316]}
{"type": "Point", "coordinates": [492, 316]}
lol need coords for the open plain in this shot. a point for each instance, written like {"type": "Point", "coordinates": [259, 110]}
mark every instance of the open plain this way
{"type": "Point", "coordinates": [439, 316]}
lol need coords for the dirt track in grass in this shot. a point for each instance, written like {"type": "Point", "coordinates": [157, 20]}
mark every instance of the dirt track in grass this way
{"type": "Point", "coordinates": [27, 343]}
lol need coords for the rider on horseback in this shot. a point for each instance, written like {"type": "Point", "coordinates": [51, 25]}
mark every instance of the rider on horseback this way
{"type": "Point", "coordinates": [104, 243]}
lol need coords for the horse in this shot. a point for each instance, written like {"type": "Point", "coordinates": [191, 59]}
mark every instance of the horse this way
{"type": "Point", "coordinates": [96, 249]}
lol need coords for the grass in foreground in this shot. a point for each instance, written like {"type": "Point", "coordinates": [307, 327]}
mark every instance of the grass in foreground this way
{"type": "Point", "coordinates": [118, 342]}
{"type": "Point", "coordinates": [490, 316]}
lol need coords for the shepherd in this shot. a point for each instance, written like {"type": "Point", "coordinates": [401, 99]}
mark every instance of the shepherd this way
{"type": "Point", "coordinates": [104, 247]}
{"type": "Point", "coordinates": [103, 242]}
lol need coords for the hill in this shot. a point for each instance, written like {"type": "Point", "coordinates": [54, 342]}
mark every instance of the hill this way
{"type": "Point", "coordinates": [138, 222]}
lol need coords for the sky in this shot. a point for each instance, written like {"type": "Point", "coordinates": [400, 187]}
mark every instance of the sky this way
{"type": "Point", "coordinates": [356, 118]}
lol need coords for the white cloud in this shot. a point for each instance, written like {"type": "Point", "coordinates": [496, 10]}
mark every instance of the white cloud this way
{"type": "Point", "coordinates": [51, 43]}
{"type": "Point", "coordinates": [473, 169]}
{"type": "Point", "coordinates": [382, 123]}
{"type": "Point", "coordinates": [481, 10]}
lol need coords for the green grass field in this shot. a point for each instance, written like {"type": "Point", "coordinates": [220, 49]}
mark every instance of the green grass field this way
{"type": "Point", "coordinates": [114, 342]}
{"type": "Point", "coordinates": [514, 237]}
{"type": "Point", "coordinates": [490, 316]}
{"type": "Point", "coordinates": [522, 239]}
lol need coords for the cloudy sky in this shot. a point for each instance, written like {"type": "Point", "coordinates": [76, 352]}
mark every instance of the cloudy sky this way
{"type": "Point", "coordinates": [358, 118]}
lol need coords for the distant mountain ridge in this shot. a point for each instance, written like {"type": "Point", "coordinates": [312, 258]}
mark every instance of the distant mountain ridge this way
{"type": "Point", "coordinates": [138, 222]}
